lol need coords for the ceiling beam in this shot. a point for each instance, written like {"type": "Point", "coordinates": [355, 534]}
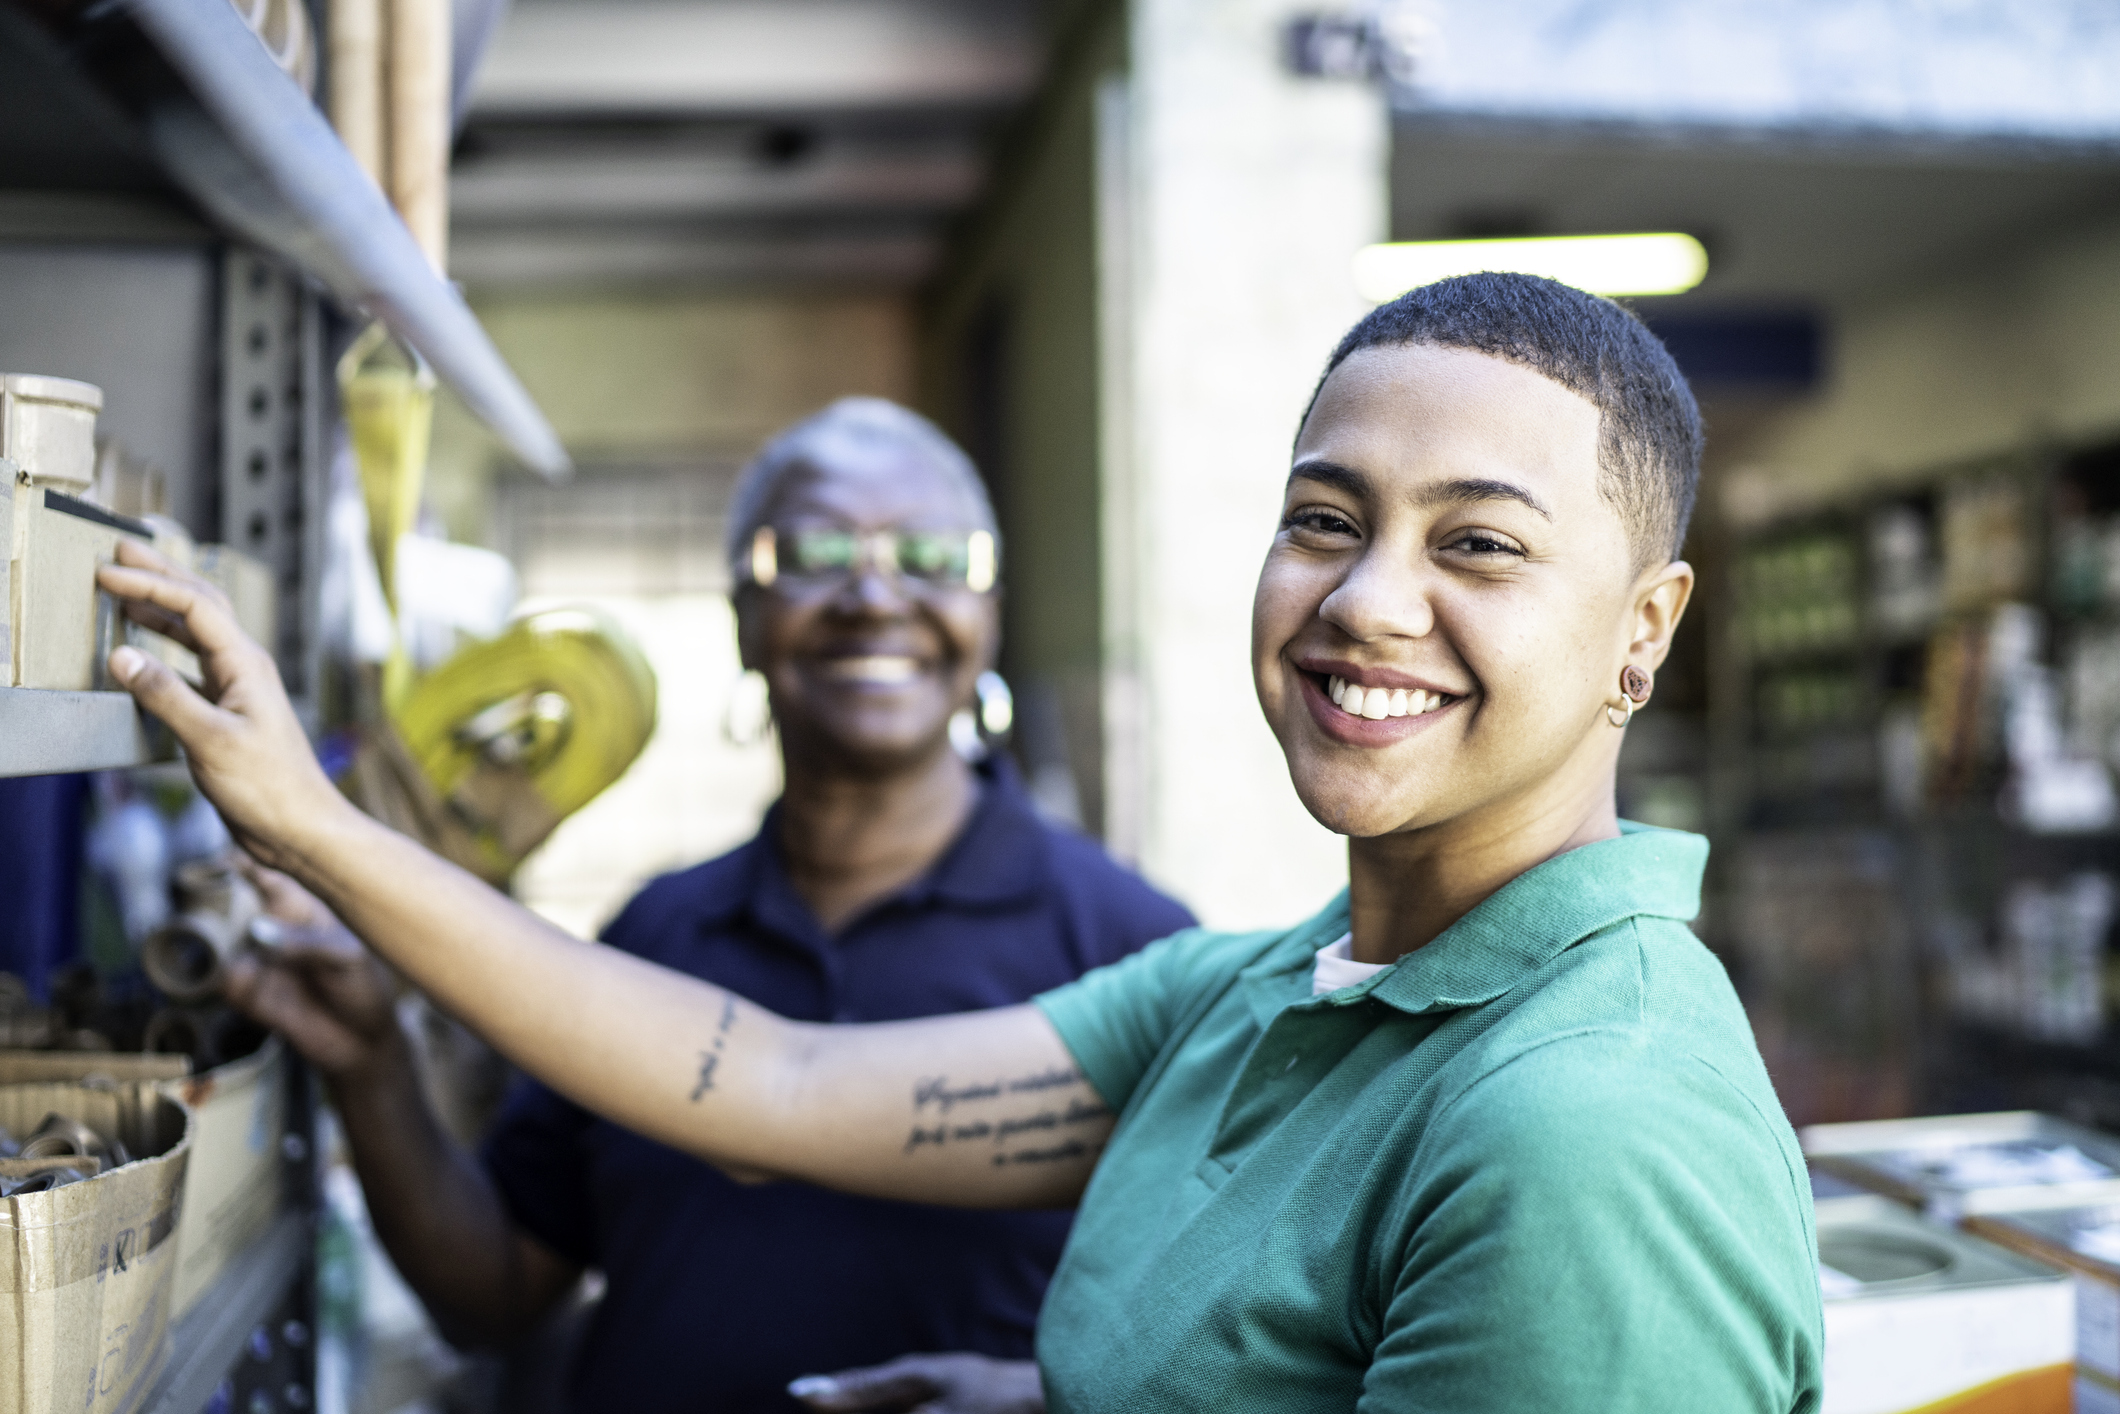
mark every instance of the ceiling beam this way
{"type": "Point", "coordinates": [547, 186]}
{"type": "Point", "coordinates": [519, 258]}
{"type": "Point", "coordinates": [756, 56]}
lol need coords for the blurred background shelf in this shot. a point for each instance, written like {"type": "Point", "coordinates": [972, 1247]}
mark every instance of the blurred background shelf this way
{"type": "Point", "coordinates": [44, 732]}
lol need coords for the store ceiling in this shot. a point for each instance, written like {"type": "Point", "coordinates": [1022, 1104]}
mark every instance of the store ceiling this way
{"type": "Point", "coordinates": [745, 141]}
{"type": "Point", "coordinates": [1789, 219]}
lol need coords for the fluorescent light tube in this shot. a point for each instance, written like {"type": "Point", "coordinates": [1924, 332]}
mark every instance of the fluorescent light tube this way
{"type": "Point", "coordinates": [1663, 263]}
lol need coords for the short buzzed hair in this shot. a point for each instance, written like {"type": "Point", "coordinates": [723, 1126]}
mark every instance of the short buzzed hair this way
{"type": "Point", "coordinates": [1649, 434]}
{"type": "Point", "coordinates": [850, 424]}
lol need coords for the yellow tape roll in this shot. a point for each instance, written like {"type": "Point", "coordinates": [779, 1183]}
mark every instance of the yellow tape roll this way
{"type": "Point", "coordinates": [563, 701]}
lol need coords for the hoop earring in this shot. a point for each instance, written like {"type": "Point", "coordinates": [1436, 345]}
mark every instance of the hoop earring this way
{"type": "Point", "coordinates": [1617, 717]}
{"type": "Point", "coordinates": [997, 705]}
{"type": "Point", "coordinates": [748, 718]}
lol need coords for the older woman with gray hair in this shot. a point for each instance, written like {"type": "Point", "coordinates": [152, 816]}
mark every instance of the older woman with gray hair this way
{"type": "Point", "coordinates": [894, 878]}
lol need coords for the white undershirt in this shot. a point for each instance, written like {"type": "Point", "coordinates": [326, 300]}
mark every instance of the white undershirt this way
{"type": "Point", "coordinates": [1337, 968]}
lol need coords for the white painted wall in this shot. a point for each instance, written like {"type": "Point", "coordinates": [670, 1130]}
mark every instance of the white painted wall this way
{"type": "Point", "coordinates": [1235, 198]}
{"type": "Point", "coordinates": [2017, 352]}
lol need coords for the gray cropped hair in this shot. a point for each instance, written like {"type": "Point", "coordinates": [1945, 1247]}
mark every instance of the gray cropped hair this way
{"type": "Point", "coordinates": [850, 425]}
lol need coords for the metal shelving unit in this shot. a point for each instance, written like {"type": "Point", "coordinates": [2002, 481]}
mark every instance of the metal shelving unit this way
{"type": "Point", "coordinates": [1868, 844]}
{"type": "Point", "coordinates": [183, 212]}
{"type": "Point", "coordinates": [222, 1333]}
{"type": "Point", "coordinates": [249, 1341]}
{"type": "Point", "coordinates": [45, 732]}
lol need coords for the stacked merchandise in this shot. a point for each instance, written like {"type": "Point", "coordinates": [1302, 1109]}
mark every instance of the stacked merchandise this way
{"type": "Point", "coordinates": [1920, 1317]}
{"type": "Point", "coordinates": [1800, 620]}
{"type": "Point", "coordinates": [1924, 691]}
{"type": "Point", "coordinates": [2041, 1186]}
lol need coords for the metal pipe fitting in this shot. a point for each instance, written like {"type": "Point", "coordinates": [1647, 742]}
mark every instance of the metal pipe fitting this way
{"type": "Point", "coordinates": [60, 1137]}
{"type": "Point", "coordinates": [20, 1177]}
{"type": "Point", "coordinates": [210, 1035]}
{"type": "Point", "coordinates": [216, 909]}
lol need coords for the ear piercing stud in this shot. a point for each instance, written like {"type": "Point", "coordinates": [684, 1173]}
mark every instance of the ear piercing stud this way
{"type": "Point", "coordinates": [1635, 685]}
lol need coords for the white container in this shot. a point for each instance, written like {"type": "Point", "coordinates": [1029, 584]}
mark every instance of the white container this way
{"type": "Point", "coordinates": [48, 429]}
{"type": "Point", "coordinates": [1922, 1317]}
{"type": "Point", "coordinates": [234, 1189]}
{"type": "Point", "coordinates": [2085, 1241]}
{"type": "Point", "coordinates": [1951, 1166]}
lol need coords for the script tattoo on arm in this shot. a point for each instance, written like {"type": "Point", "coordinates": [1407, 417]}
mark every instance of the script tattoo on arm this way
{"type": "Point", "coordinates": [1023, 1109]}
{"type": "Point", "coordinates": [710, 1059]}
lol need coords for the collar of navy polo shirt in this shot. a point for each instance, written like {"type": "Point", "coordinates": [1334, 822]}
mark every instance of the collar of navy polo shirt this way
{"type": "Point", "coordinates": [998, 858]}
{"type": "Point", "coordinates": [1510, 934]}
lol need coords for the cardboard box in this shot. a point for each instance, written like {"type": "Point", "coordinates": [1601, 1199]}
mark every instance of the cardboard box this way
{"type": "Point", "coordinates": [86, 1270]}
{"type": "Point", "coordinates": [62, 623]}
{"type": "Point", "coordinates": [74, 1067]}
{"type": "Point", "coordinates": [239, 1118]}
{"type": "Point", "coordinates": [1951, 1166]}
{"type": "Point", "coordinates": [1921, 1317]}
{"type": "Point", "coordinates": [239, 1123]}
{"type": "Point", "coordinates": [48, 428]}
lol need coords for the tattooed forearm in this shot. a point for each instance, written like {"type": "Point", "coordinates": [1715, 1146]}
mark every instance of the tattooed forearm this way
{"type": "Point", "coordinates": [939, 1091]}
{"type": "Point", "coordinates": [1068, 1149]}
{"type": "Point", "coordinates": [1050, 1079]}
{"type": "Point", "coordinates": [1001, 1129]}
{"type": "Point", "coordinates": [710, 1059]}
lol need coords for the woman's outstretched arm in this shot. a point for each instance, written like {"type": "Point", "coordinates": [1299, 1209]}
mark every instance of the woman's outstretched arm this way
{"type": "Point", "coordinates": [984, 1109]}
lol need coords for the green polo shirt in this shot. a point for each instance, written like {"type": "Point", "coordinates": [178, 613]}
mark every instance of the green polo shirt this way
{"type": "Point", "coordinates": [1536, 1167]}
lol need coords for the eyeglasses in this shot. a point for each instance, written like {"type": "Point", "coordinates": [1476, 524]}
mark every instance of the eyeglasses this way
{"type": "Point", "coordinates": [808, 559]}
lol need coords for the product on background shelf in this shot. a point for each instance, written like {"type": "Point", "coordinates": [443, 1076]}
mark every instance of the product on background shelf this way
{"type": "Point", "coordinates": [1987, 542]}
{"type": "Point", "coordinates": [1904, 590]}
{"type": "Point", "coordinates": [1797, 703]}
{"type": "Point", "coordinates": [2109, 539]}
{"type": "Point", "coordinates": [1901, 769]}
{"type": "Point", "coordinates": [2056, 958]}
{"type": "Point", "coordinates": [1953, 716]}
{"type": "Point", "coordinates": [1800, 596]}
{"type": "Point", "coordinates": [2049, 790]}
{"type": "Point", "coordinates": [2077, 579]}
{"type": "Point", "coordinates": [2090, 674]}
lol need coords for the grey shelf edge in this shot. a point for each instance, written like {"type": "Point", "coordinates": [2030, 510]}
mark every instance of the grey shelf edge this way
{"type": "Point", "coordinates": [44, 733]}
{"type": "Point", "coordinates": [209, 1338]}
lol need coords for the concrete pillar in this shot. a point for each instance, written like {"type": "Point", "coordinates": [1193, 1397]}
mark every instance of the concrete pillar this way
{"type": "Point", "coordinates": [1232, 198]}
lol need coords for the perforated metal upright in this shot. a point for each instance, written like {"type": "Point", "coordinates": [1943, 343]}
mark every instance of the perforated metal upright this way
{"type": "Point", "coordinates": [273, 396]}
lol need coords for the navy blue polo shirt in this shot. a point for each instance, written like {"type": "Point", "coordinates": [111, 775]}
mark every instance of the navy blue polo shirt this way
{"type": "Point", "coordinates": [719, 1293]}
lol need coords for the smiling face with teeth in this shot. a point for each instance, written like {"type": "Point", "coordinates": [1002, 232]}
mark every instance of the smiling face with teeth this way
{"type": "Point", "coordinates": [1448, 604]}
{"type": "Point", "coordinates": [866, 669]}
